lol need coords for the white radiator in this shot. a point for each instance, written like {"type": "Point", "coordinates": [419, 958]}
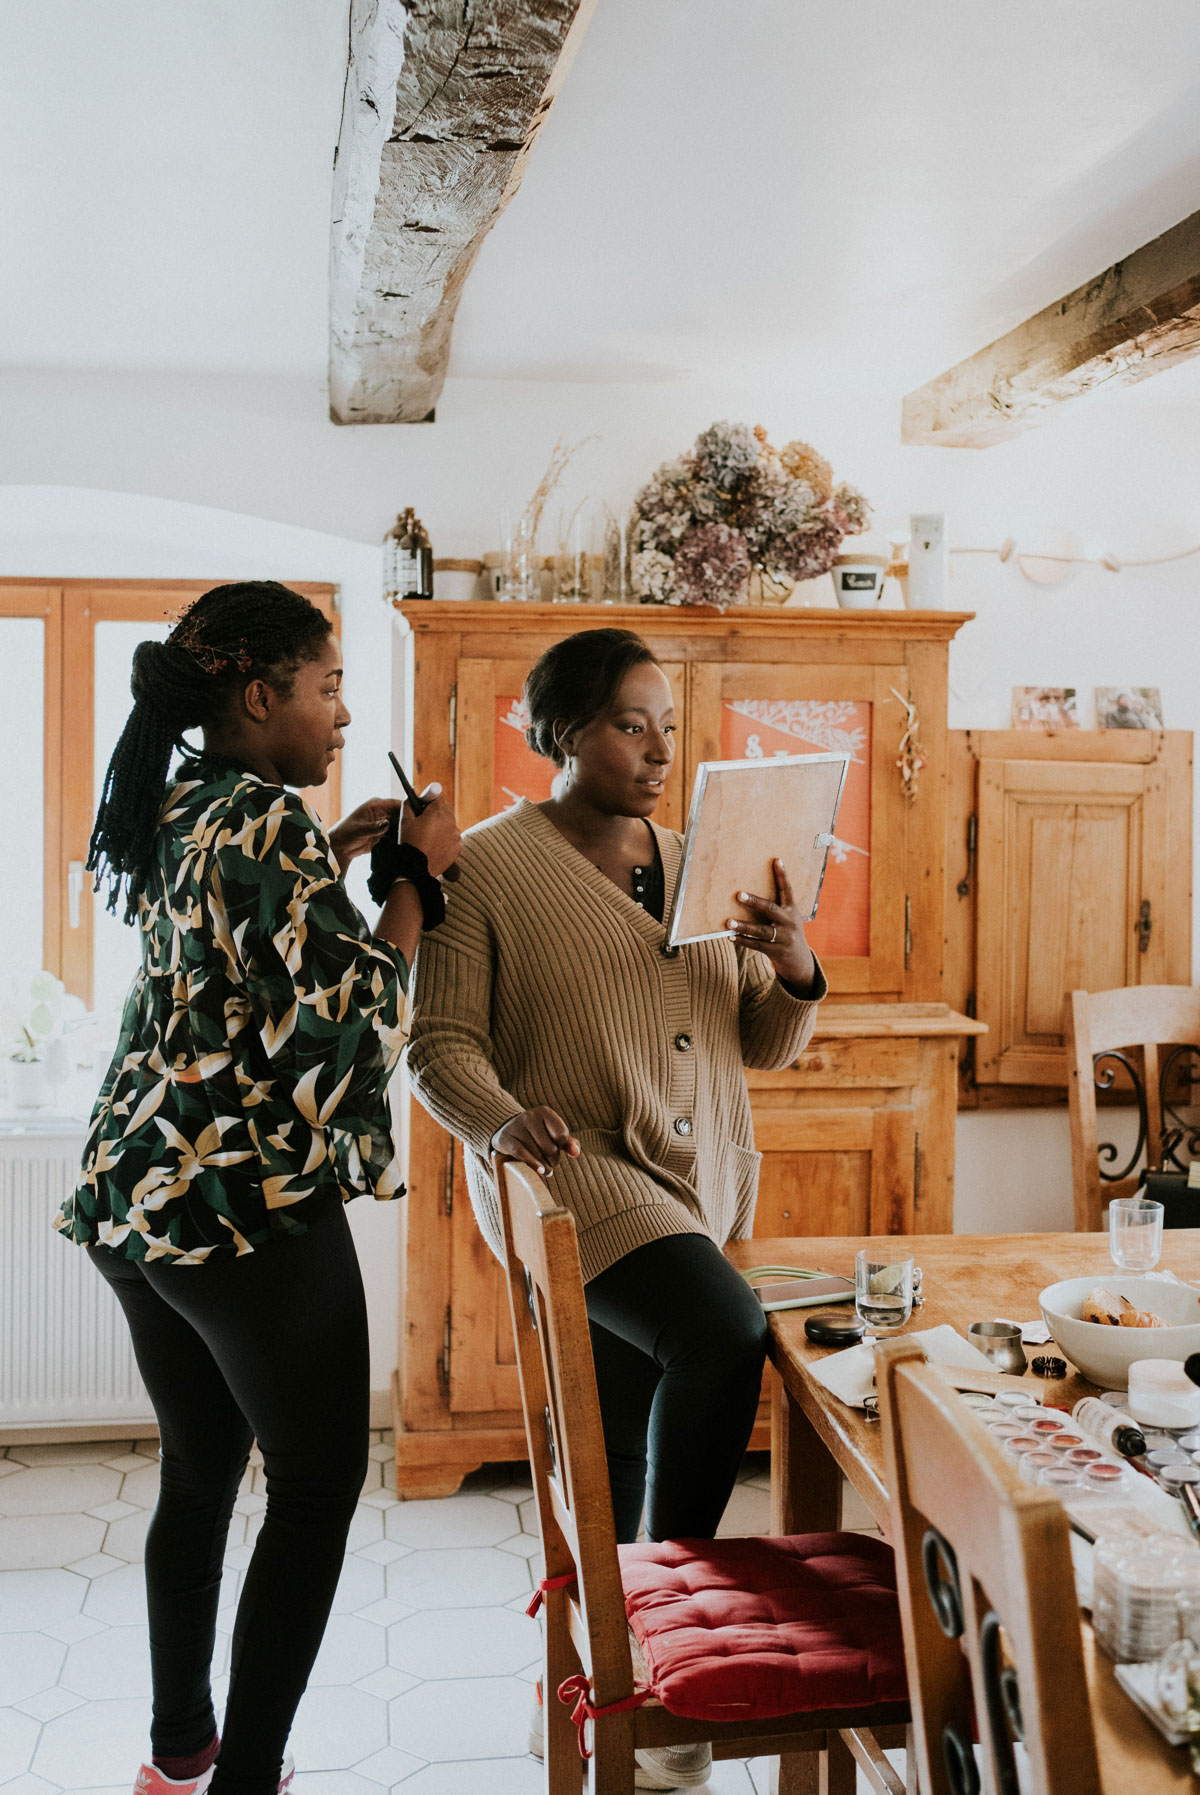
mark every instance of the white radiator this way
{"type": "Point", "coordinates": [65, 1354]}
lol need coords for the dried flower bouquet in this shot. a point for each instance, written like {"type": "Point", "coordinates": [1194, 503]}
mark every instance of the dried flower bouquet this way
{"type": "Point", "coordinates": [703, 522]}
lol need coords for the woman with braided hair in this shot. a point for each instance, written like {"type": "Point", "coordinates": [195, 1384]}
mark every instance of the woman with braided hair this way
{"type": "Point", "coordinates": [245, 1104]}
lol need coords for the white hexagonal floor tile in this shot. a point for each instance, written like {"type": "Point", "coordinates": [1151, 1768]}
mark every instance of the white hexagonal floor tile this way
{"type": "Point", "coordinates": [359, 1584]}
{"type": "Point", "coordinates": [108, 1737]}
{"type": "Point", "coordinates": [453, 1521]}
{"type": "Point", "coordinates": [126, 1537]}
{"type": "Point", "coordinates": [109, 1665]}
{"type": "Point", "coordinates": [37, 1599]}
{"type": "Point", "coordinates": [48, 1704]}
{"type": "Point", "coordinates": [18, 1740]}
{"type": "Point", "coordinates": [141, 1487]}
{"type": "Point", "coordinates": [366, 1529]}
{"type": "Point", "coordinates": [457, 1579]}
{"type": "Point", "coordinates": [29, 1663]}
{"type": "Point", "coordinates": [472, 1717]}
{"type": "Point", "coordinates": [464, 1642]}
{"type": "Point", "coordinates": [333, 1782]}
{"type": "Point", "coordinates": [388, 1766]}
{"type": "Point", "coordinates": [45, 1542]}
{"type": "Point", "coordinates": [351, 1649]}
{"type": "Point", "coordinates": [337, 1728]}
{"type": "Point", "coordinates": [58, 1490]}
{"type": "Point", "coordinates": [119, 1600]}
{"type": "Point", "coordinates": [747, 1511]}
{"type": "Point", "coordinates": [487, 1776]}
{"type": "Point", "coordinates": [30, 1785]}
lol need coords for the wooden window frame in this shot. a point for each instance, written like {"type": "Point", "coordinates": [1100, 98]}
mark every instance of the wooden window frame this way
{"type": "Point", "coordinates": [70, 610]}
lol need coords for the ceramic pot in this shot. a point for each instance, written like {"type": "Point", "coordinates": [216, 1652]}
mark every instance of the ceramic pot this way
{"type": "Point", "coordinates": [27, 1087]}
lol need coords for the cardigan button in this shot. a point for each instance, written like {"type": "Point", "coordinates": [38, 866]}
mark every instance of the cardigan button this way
{"type": "Point", "coordinates": [668, 952]}
{"type": "Point", "coordinates": [683, 1124]}
{"type": "Point", "coordinates": [684, 1043]}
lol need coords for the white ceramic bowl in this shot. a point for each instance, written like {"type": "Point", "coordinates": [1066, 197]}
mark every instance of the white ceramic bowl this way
{"type": "Point", "coordinates": [1104, 1354]}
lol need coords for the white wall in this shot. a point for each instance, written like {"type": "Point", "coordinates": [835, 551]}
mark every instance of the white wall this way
{"type": "Point", "coordinates": [209, 477]}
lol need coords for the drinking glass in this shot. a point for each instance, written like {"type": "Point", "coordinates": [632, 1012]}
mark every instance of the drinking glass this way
{"type": "Point", "coordinates": [1135, 1229]}
{"type": "Point", "coordinates": [883, 1289]}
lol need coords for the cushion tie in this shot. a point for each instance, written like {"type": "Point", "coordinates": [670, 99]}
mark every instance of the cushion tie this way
{"type": "Point", "coordinates": [578, 1689]}
{"type": "Point", "coordinates": [548, 1583]}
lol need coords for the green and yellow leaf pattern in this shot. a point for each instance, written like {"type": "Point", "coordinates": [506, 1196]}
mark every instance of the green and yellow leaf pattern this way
{"type": "Point", "coordinates": [257, 1043]}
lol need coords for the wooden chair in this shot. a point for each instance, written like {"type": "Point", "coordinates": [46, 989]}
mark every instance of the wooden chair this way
{"type": "Point", "coordinates": [992, 1633]}
{"type": "Point", "coordinates": [587, 1641]}
{"type": "Point", "coordinates": [1117, 1035]}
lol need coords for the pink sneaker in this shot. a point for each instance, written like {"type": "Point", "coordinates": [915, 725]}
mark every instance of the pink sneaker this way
{"type": "Point", "coordinates": [151, 1781]}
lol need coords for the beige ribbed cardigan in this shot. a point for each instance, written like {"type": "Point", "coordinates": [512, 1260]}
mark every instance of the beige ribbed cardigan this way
{"type": "Point", "coordinates": [546, 984]}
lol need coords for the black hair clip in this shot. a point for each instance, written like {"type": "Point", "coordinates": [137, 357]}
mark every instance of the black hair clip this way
{"type": "Point", "coordinates": [1046, 1366]}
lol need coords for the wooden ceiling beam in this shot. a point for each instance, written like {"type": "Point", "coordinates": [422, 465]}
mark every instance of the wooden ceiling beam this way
{"type": "Point", "coordinates": [444, 100]}
{"type": "Point", "coordinates": [1139, 316]}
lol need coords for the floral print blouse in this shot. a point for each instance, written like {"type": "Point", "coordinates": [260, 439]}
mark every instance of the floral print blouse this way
{"type": "Point", "coordinates": [257, 1041]}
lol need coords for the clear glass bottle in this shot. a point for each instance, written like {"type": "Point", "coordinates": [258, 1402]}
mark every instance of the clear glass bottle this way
{"type": "Point", "coordinates": [402, 571]}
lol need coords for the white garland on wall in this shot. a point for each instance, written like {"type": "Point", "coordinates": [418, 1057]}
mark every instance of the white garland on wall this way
{"type": "Point", "coordinates": [1008, 551]}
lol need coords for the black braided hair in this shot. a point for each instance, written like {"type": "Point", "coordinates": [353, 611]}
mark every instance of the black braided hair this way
{"type": "Point", "coordinates": [251, 629]}
{"type": "Point", "coordinates": [576, 680]}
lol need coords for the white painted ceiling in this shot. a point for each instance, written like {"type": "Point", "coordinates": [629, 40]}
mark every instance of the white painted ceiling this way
{"type": "Point", "coordinates": [843, 193]}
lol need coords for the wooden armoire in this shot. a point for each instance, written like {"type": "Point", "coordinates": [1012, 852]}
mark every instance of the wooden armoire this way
{"type": "Point", "coordinates": [858, 1136]}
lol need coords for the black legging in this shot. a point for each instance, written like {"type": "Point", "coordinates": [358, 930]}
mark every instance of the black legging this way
{"type": "Point", "coordinates": [270, 1347]}
{"type": "Point", "coordinates": [679, 1341]}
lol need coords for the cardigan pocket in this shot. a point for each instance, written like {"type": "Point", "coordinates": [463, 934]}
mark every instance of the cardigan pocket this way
{"type": "Point", "coordinates": [742, 1185]}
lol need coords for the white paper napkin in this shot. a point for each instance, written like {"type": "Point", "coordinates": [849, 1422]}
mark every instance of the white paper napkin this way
{"type": "Point", "coordinates": [850, 1375]}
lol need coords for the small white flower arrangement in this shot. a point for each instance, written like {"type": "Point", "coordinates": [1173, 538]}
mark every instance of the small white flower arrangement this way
{"type": "Point", "coordinates": [34, 1018]}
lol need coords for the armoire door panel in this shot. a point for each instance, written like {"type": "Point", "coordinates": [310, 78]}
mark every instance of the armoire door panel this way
{"type": "Point", "coordinates": [1060, 883]}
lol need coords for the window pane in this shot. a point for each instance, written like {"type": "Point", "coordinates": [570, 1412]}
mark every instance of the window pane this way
{"type": "Point", "coordinates": [116, 947]}
{"type": "Point", "coordinates": [22, 645]}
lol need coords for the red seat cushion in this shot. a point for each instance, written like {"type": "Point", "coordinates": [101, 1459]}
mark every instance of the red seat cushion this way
{"type": "Point", "coordinates": [749, 1629]}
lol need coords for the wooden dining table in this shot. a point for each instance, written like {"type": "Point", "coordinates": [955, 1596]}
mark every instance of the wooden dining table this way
{"type": "Point", "coordinates": [817, 1441]}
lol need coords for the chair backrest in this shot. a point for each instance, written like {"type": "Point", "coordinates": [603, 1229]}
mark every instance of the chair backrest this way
{"type": "Point", "coordinates": [994, 1554]}
{"type": "Point", "coordinates": [562, 1422]}
{"type": "Point", "coordinates": [1144, 1038]}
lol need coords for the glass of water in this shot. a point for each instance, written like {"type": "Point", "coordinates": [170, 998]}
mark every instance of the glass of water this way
{"type": "Point", "coordinates": [1135, 1231]}
{"type": "Point", "coordinates": [883, 1289]}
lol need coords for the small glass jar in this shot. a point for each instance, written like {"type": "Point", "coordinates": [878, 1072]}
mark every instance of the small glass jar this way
{"type": "Point", "coordinates": [1046, 1426]}
{"type": "Point", "coordinates": [1064, 1442]}
{"type": "Point", "coordinates": [1020, 1444]}
{"type": "Point", "coordinates": [1080, 1456]}
{"type": "Point", "coordinates": [1116, 1399]}
{"type": "Point", "coordinates": [1058, 1477]}
{"type": "Point", "coordinates": [1034, 1463]}
{"type": "Point", "coordinates": [1173, 1477]}
{"type": "Point", "coordinates": [1030, 1411]}
{"type": "Point", "coordinates": [1162, 1456]}
{"type": "Point", "coordinates": [1011, 1399]}
{"type": "Point", "coordinates": [1103, 1479]}
{"type": "Point", "coordinates": [1004, 1431]}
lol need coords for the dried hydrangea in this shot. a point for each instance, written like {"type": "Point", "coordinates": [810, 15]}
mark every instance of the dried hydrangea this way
{"type": "Point", "coordinates": [712, 565]}
{"type": "Point", "coordinates": [802, 462]}
{"type": "Point", "coordinates": [808, 553]}
{"type": "Point", "coordinates": [769, 507]}
{"type": "Point", "coordinates": [851, 512]}
{"type": "Point", "coordinates": [663, 507]}
{"type": "Point", "coordinates": [704, 519]}
{"type": "Point", "coordinates": [724, 454]}
{"type": "Point", "coordinates": [653, 576]}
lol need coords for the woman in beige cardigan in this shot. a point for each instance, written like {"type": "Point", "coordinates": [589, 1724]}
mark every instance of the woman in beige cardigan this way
{"type": "Point", "coordinates": [553, 1024]}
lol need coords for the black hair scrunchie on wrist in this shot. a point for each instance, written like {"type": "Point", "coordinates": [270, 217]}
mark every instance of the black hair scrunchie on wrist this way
{"type": "Point", "coordinates": [392, 860]}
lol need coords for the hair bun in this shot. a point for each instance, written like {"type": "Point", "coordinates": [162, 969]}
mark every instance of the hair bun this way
{"type": "Point", "coordinates": [167, 677]}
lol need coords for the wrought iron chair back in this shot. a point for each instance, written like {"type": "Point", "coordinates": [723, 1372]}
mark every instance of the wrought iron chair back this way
{"type": "Point", "coordinates": [992, 1633]}
{"type": "Point", "coordinates": [1145, 1037]}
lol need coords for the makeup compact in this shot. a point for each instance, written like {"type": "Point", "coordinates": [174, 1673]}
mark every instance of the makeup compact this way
{"type": "Point", "coordinates": [834, 1330]}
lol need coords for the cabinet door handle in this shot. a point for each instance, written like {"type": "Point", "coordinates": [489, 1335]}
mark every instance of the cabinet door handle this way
{"type": "Point", "coordinates": [1144, 926]}
{"type": "Point", "coordinates": [74, 891]}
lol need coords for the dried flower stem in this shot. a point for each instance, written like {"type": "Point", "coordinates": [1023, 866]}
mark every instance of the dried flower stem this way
{"type": "Point", "coordinates": [560, 458]}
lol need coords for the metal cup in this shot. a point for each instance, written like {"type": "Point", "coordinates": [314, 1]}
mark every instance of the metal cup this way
{"type": "Point", "coordinates": [1000, 1343]}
